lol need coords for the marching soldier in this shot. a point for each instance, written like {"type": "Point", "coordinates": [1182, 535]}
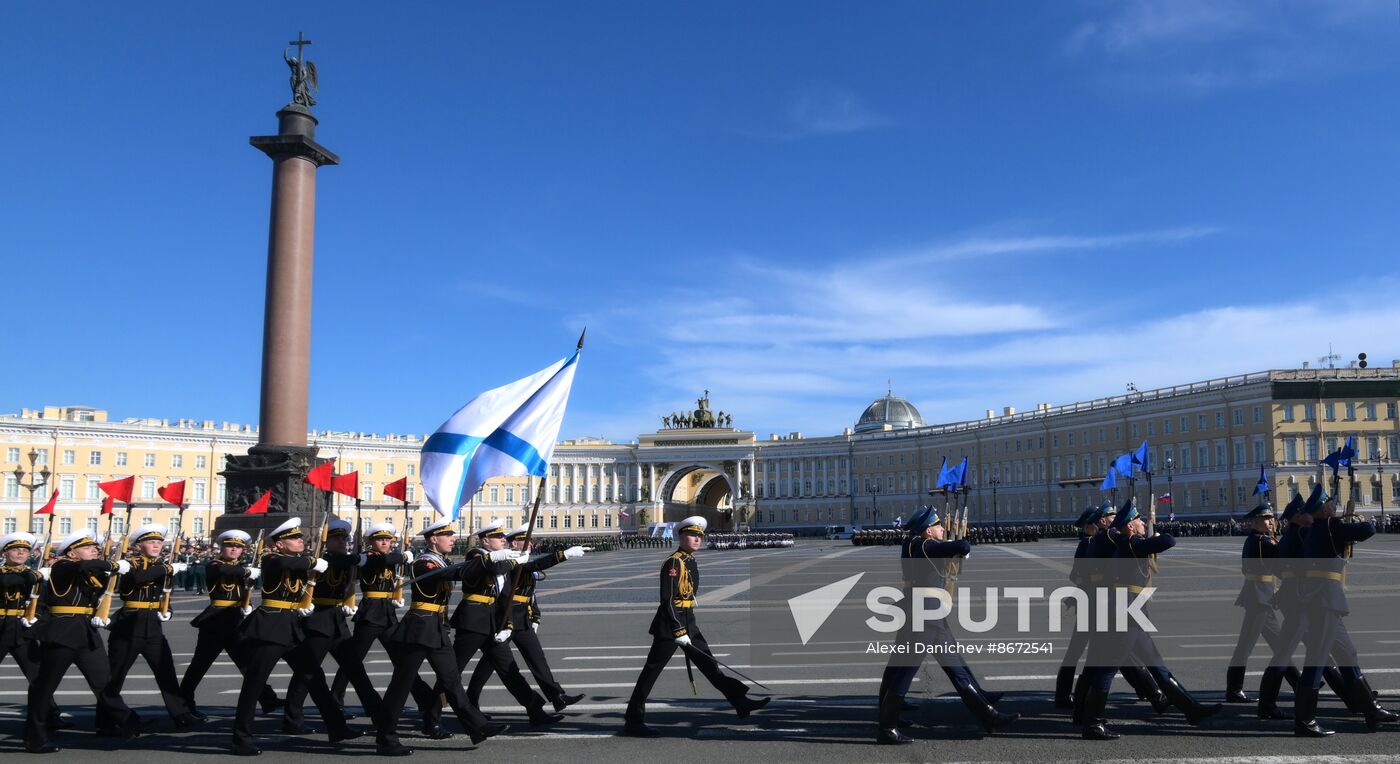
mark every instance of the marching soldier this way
{"type": "Point", "coordinates": [1258, 562]}
{"type": "Point", "coordinates": [325, 627]}
{"type": "Point", "coordinates": [524, 621]}
{"type": "Point", "coordinates": [1325, 549]}
{"type": "Point", "coordinates": [68, 636]}
{"type": "Point", "coordinates": [485, 577]}
{"type": "Point", "coordinates": [926, 541]}
{"type": "Point", "coordinates": [1079, 576]}
{"type": "Point", "coordinates": [1133, 571]}
{"type": "Point", "coordinates": [674, 626]}
{"type": "Point", "coordinates": [423, 635]}
{"type": "Point", "coordinates": [17, 581]}
{"type": "Point", "coordinates": [376, 615]}
{"type": "Point", "coordinates": [137, 627]}
{"type": "Point", "coordinates": [218, 623]}
{"type": "Point", "coordinates": [273, 632]}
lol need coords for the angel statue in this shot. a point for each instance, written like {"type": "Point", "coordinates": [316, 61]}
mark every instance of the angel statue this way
{"type": "Point", "coordinates": [303, 77]}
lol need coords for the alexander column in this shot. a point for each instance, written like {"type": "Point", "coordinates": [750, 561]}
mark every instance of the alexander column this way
{"type": "Point", "coordinates": [280, 460]}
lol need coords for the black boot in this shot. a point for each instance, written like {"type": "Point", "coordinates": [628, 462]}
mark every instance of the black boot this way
{"type": "Point", "coordinates": [1195, 711]}
{"type": "Point", "coordinates": [1305, 714]}
{"type": "Point", "coordinates": [1292, 676]}
{"type": "Point", "coordinates": [1146, 687]}
{"type": "Point", "coordinates": [1081, 690]}
{"type": "Point", "coordinates": [1362, 697]}
{"type": "Point", "coordinates": [1234, 685]}
{"type": "Point", "coordinates": [1095, 725]}
{"type": "Point", "coordinates": [990, 718]}
{"type": "Point", "coordinates": [746, 705]}
{"type": "Point", "coordinates": [1268, 694]}
{"type": "Point", "coordinates": [1064, 684]}
{"type": "Point", "coordinates": [892, 737]}
{"type": "Point", "coordinates": [1339, 686]}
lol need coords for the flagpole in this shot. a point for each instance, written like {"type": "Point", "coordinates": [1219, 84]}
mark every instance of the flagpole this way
{"type": "Point", "coordinates": [529, 533]}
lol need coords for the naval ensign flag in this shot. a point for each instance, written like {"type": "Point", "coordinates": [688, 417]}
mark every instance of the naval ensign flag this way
{"type": "Point", "coordinates": [510, 430]}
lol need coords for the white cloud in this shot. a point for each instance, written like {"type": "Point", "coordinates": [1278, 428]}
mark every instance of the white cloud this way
{"type": "Point", "coordinates": [831, 110]}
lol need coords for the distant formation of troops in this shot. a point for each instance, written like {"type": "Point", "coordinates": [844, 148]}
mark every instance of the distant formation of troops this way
{"type": "Point", "coordinates": [749, 541]}
{"type": "Point", "coordinates": [345, 595]}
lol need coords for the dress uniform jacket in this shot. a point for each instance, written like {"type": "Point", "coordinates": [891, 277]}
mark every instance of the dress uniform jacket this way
{"type": "Point", "coordinates": [332, 588]}
{"type": "Point", "coordinates": [483, 584]}
{"type": "Point", "coordinates": [69, 600]}
{"type": "Point", "coordinates": [523, 607]}
{"type": "Point", "coordinates": [227, 586]}
{"type": "Point", "coordinates": [680, 583]}
{"type": "Point", "coordinates": [1258, 563]}
{"type": "Point", "coordinates": [16, 583]}
{"type": "Point", "coordinates": [1325, 548]}
{"type": "Point", "coordinates": [283, 581]}
{"type": "Point", "coordinates": [376, 588]}
{"type": "Point", "coordinates": [426, 621]}
{"type": "Point", "coordinates": [141, 590]}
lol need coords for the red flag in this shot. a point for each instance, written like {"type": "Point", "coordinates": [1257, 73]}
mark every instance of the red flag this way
{"type": "Point", "coordinates": [173, 493]}
{"type": "Point", "coordinates": [260, 506]}
{"type": "Point", "coordinates": [107, 502]}
{"type": "Point", "coordinates": [48, 508]}
{"type": "Point", "coordinates": [120, 489]}
{"type": "Point", "coordinates": [397, 489]}
{"type": "Point", "coordinates": [346, 485]}
{"type": "Point", "coordinates": [321, 476]}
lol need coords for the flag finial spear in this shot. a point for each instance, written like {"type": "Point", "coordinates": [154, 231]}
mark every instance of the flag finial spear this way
{"type": "Point", "coordinates": [581, 336]}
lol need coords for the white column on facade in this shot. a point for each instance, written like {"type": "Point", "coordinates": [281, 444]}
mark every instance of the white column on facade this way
{"type": "Point", "coordinates": [801, 478]}
{"type": "Point", "coordinates": [636, 492]}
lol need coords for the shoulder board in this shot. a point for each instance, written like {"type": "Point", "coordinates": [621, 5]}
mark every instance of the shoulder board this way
{"type": "Point", "coordinates": [432, 559]}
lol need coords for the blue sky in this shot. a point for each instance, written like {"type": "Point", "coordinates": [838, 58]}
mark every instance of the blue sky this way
{"type": "Point", "coordinates": [990, 203]}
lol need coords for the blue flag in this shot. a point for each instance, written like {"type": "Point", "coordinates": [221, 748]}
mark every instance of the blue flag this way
{"type": "Point", "coordinates": [1263, 485]}
{"type": "Point", "coordinates": [962, 473]}
{"type": "Point", "coordinates": [942, 475]}
{"type": "Point", "coordinates": [1348, 451]}
{"type": "Point", "coordinates": [1143, 457]}
{"type": "Point", "coordinates": [1124, 465]}
{"type": "Point", "coordinates": [1110, 480]}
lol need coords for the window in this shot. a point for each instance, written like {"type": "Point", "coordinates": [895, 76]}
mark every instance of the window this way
{"type": "Point", "coordinates": [201, 462]}
{"type": "Point", "coordinates": [495, 495]}
{"type": "Point", "coordinates": [1219, 419]}
{"type": "Point", "coordinates": [1239, 453]}
{"type": "Point", "coordinates": [1329, 411]}
{"type": "Point", "coordinates": [1151, 429]}
{"type": "Point", "coordinates": [1205, 497]}
{"type": "Point", "coordinates": [1237, 417]}
{"type": "Point", "coordinates": [369, 468]}
{"type": "Point", "coordinates": [9, 525]}
{"type": "Point", "coordinates": [409, 468]}
{"type": "Point", "coordinates": [1290, 450]}
{"type": "Point", "coordinates": [148, 488]}
{"type": "Point", "coordinates": [1185, 458]}
{"type": "Point", "coordinates": [1071, 439]}
{"type": "Point", "coordinates": [1202, 457]}
{"type": "Point", "coordinates": [70, 456]}
{"type": "Point", "coordinates": [177, 461]}
{"type": "Point", "coordinates": [1309, 412]}
{"type": "Point", "coordinates": [93, 491]}
{"type": "Point", "coordinates": [1135, 431]}
{"type": "Point", "coordinates": [1286, 410]}
{"type": "Point", "coordinates": [150, 460]}
{"type": "Point", "coordinates": [1101, 435]}
{"type": "Point", "coordinates": [11, 487]}
{"type": "Point", "coordinates": [1351, 410]}
{"type": "Point", "coordinates": [1055, 441]}
{"type": "Point", "coordinates": [65, 487]}
{"type": "Point", "coordinates": [1258, 414]}
{"type": "Point", "coordinates": [198, 526]}
{"type": "Point", "coordinates": [65, 525]}
{"type": "Point", "coordinates": [389, 469]}
{"type": "Point", "coordinates": [1371, 411]}
{"type": "Point", "coordinates": [349, 467]}
{"type": "Point", "coordinates": [1310, 448]}
{"type": "Point", "coordinates": [412, 493]}
{"type": "Point", "coordinates": [1239, 495]}
{"type": "Point", "coordinates": [1186, 424]}
{"type": "Point", "coordinates": [510, 494]}
{"type": "Point", "coordinates": [1166, 427]}
{"type": "Point", "coordinates": [367, 492]}
{"type": "Point", "coordinates": [1220, 454]}
{"type": "Point", "coordinates": [607, 520]}
{"type": "Point", "coordinates": [121, 458]}
{"type": "Point", "coordinates": [1200, 422]}
{"type": "Point", "coordinates": [595, 520]}
{"type": "Point", "coordinates": [12, 455]}
{"type": "Point", "coordinates": [43, 459]}
{"type": "Point", "coordinates": [568, 521]}
{"type": "Point", "coordinates": [201, 490]}
{"type": "Point", "coordinates": [1389, 413]}
{"type": "Point", "coordinates": [1224, 497]}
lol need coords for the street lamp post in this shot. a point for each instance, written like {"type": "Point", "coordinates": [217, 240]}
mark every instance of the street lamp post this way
{"type": "Point", "coordinates": [994, 482]}
{"type": "Point", "coordinates": [874, 510]}
{"type": "Point", "coordinates": [1171, 505]}
{"type": "Point", "coordinates": [37, 480]}
{"type": "Point", "coordinates": [1380, 486]}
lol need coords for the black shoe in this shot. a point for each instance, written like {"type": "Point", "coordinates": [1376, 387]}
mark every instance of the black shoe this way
{"type": "Point", "coordinates": [296, 729]}
{"type": "Point", "coordinates": [637, 729]}
{"type": "Point", "coordinates": [1234, 685]}
{"type": "Point", "coordinates": [46, 748]}
{"type": "Point", "coordinates": [345, 733]}
{"type": "Point", "coordinates": [1364, 698]}
{"type": "Point", "coordinates": [564, 701]}
{"type": "Point", "coordinates": [1305, 714]}
{"type": "Point", "coordinates": [746, 706]}
{"type": "Point", "coordinates": [490, 730]}
{"type": "Point", "coordinates": [1099, 731]}
{"type": "Point", "coordinates": [1095, 725]}
{"type": "Point", "coordinates": [401, 750]}
{"type": "Point", "coordinates": [538, 718]}
{"type": "Point", "coordinates": [1236, 696]}
{"type": "Point", "coordinates": [349, 715]}
{"type": "Point", "coordinates": [990, 718]}
{"type": "Point", "coordinates": [1311, 729]}
{"type": "Point", "coordinates": [245, 750]}
{"type": "Point", "coordinates": [1195, 711]}
{"type": "Point", "coordinates": [892, 737]}
{"type": "Point", "coordinates": [189, 721]}
{"type": "Point", "coordinates": [436, 732]}
{"type": "Point", "coordinates": [1269, 712]}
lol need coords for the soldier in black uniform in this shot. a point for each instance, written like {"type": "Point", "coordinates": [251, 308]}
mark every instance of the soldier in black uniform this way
{"type": "Point", "coordinates": [1326, 547]}
{"type": "Point", "coordinates": [273, 632]}
{"type": "Point", "coordinates": [422, 635]}
{"type": "Point", "coordinates": [379, 576]}
{"type": "Point", "coordinates": [1258, 563]}
{"type": "Point", "coordinates": [478, 624]}
{"type": "Point", "coordinates": [524, 622]}
{"type": "Point", "coordinates": [218, 623]}
{"type": "Point", "coordinates": [1079, 576]}
{"type": "Point", "coordinates": [674, 626]}
{"type": "Point", "coordinates": [137, 627]}
{"type": "Point", "coordinates": [325, 626]}
{"type": "Point", "coordinates": [17, 582]}
{"type": "Point", "coordinates": [926, 543]}
{"type": "Point", "coordinates": [68, 636]}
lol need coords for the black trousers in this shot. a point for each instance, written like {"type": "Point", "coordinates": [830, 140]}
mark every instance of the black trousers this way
{"type": "Point", "coordinates": [54, 661]}
{"type": "Point", "coordinates": [122, 652]}
{"type": "Point", "coordinates": [1078, 642]}
{"type": "Point", "coordinates": [262, 658]}
{"type": "Point", "coordinates": [900, 672]}
{"type": "Point", "coordinates": [532, 652]}
{"type": "Point", "coordinates": [26, 654]}
{"type": "Point", "coordinates": [443, 661]}
{"type": "Point", "coordinates": [213, 640]}
{"type": "Point", "coordinates": [1258, 621]}
{"type": "Point", "coordinates": [351, 670]}
{"type": "Point", "coordinates": [319, 647]}
{"type": "Point", "coordinates": [1327, 636]}
{"type": "Point", "coordinates": [467, 644]}
{"type": "Point", "coordinates": [662, 648]}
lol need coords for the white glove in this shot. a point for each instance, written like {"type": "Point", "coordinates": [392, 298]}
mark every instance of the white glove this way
{"type": "Point", "coordinates": [246, 609]}
{"type": "Point", "coordinates": [320, 565]}
{"type": "Point", "coordinates": [573, 552]}
{"type": "Point", "coordinates": [348, 610]}
{"type": "Point", "coordinates": [179, 567]}
{"type": "Point", "coordinates": [163, 616]}
{"type": "Point", "coordinates": [397, 603]}
{"type": "Point", "coordinates": [28, 621]}
{"type": "Point", "coordinates": [968, 556]}
{"type": "Point", "coordinates": [101, 623]}
{"type": "Point", "coordinates": [254, 574]}
{"type": "Point", "coordinates": [407, 556]}
{"type": "Point", "coordinates": [44, 573]}
{"type": "Point", "coordinates": [535, 626]}
{"type": "Point", "coordinates": [683, 640]}
{"type": "Point", "coordinates": [502, 636]}
{"type": "Point", "coordinates": [501, 555]}
{"type": "Point", "coordinates": [364, 558]}
{"type": "Point", "coordinates": [306, 610]}
{"type": "Point", "coordinates": [123, 567]}
{"type": "Point", "coordinates": [538, 575]}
